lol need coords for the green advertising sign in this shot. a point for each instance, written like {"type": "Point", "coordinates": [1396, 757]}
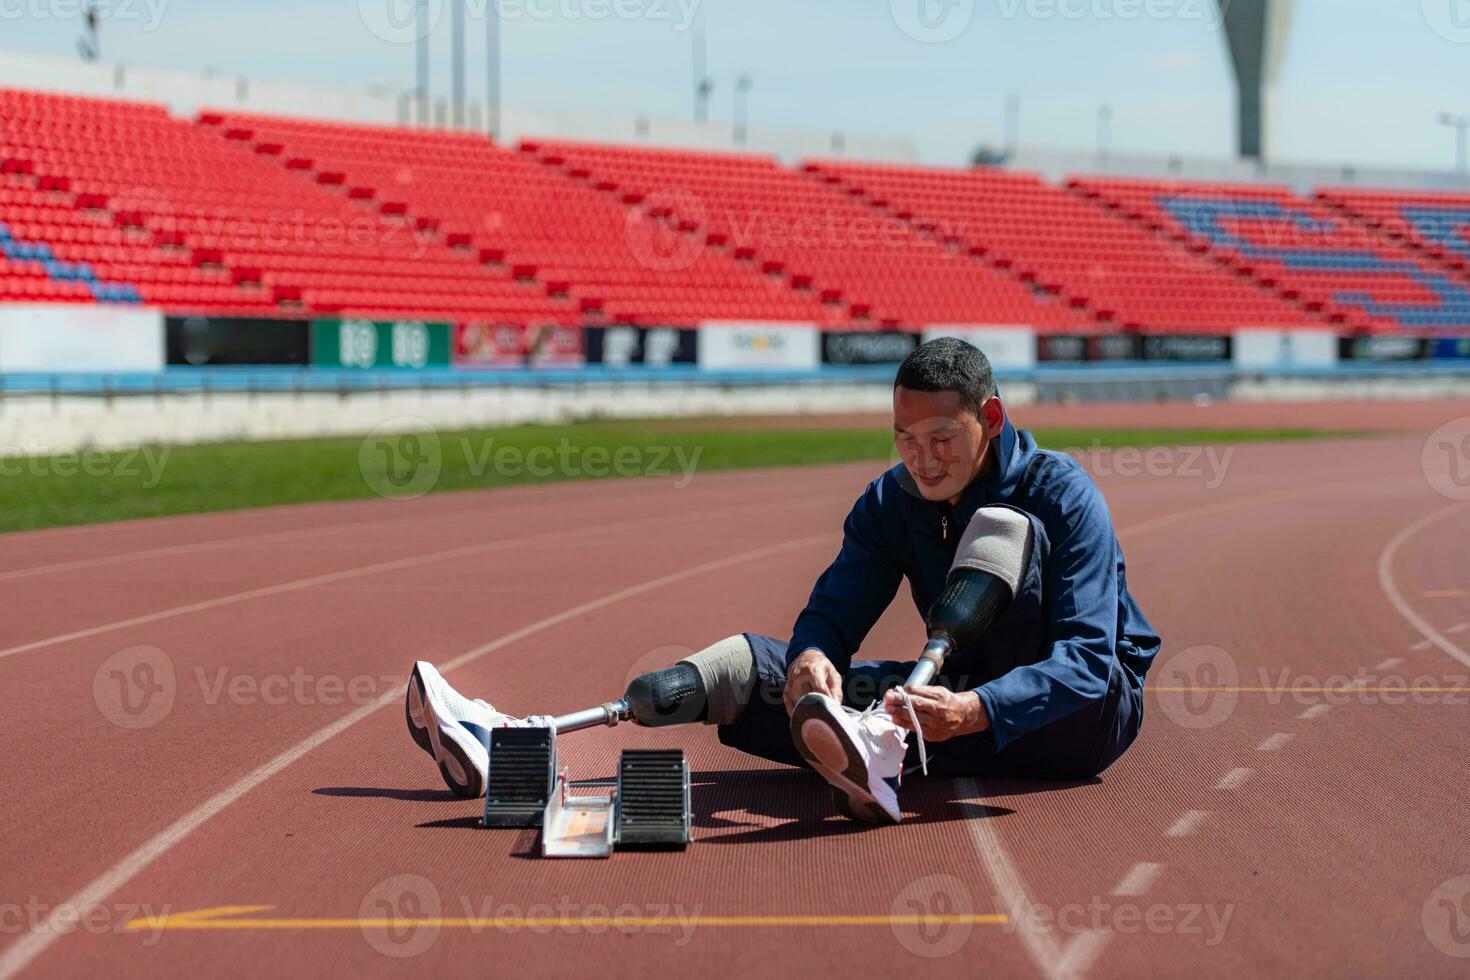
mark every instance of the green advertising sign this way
{"type": "Point", "coordinates": [365, 344]}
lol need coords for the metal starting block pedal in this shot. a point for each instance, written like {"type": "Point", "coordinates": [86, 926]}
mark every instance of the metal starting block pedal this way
{"type": "Point", "coordinates": [648, 808]}
{"type": "Point", "coordinates": [651, 809]}
{"type": "Point", "coordinates": [522, 777]}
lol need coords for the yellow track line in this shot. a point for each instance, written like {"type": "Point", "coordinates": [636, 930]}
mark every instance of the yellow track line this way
{"type": "Point", "coordinates": [209, 919]}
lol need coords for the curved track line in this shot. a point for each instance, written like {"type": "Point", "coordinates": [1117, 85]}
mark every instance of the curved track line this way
{"type": "Point", "coordinates": [1396, 598]}
{"type": "Point", "coordinates": [42, 935]}
{"type": "Point", "coordinates": [360, 571]}
{"type": "Point", "coordinates": [1072, 960]}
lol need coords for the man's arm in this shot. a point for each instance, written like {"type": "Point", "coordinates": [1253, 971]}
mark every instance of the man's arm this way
{"type": "Point", "coordinates": [1080, 582]}
{"type": "Point", "coordinates": [855, 589]}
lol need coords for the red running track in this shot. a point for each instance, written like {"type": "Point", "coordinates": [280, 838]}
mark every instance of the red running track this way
{"type": "Point", "coordinates": [250, 759]}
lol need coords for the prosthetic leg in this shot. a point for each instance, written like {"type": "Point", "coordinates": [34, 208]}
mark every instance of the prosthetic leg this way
{"type": "Point", "coordinates": [649, 805]}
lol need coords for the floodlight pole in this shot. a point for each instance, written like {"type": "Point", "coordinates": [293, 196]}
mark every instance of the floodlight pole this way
{"type": "Point", "coordinates": [492, 66]}
{"type": "Point", "coordinates": [456, 30]}
{"type": "Point", "coordinates": [423, 63]}
{"type": "Point", "coordinates": [1460, 124]}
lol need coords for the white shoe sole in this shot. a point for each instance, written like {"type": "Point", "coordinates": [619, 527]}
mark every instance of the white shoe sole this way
{"type": "Point", "coordinates": [827, 747]}
{"type": "Point", "coordinates": [461, 757]}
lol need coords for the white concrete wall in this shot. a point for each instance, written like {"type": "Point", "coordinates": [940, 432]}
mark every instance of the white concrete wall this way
{"type": "Point", "coordinates": [1055, 165]}
{"type": "Point", "coordinates": [30, 425]}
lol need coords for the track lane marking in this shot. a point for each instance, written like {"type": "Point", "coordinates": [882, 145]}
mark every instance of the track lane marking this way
{"type": "Point", "coordinates": [1189, 821]}
{"type": "Point", "coordinates": [1275, 742]}
{"type": "Point", "coordinates": [1396, 598]}
{"type": "Point", "coordinates": [228, 917]}
{"type": "Point", "coordinates": [1139, 879]}
{"type": "Point", "coordinates": [1315, 711]}
{"type": "Point", "coordinates": [1235, 778]}
{"type": "Point", "coordinates": [1389, 664]}
{"type": "Point", "coordinates": [41, 935]}
{"type": "Point", "coordinates": [347, 574]}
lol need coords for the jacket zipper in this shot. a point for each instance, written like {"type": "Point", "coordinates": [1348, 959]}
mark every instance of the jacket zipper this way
{"type": "Point", "coordinates": [944, 527]}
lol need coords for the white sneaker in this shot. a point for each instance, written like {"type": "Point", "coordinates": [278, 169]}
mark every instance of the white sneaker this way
{"type": "Point", "coordinates": [452, 728]}
{"type": "Point", "coordinates": [859, 752]}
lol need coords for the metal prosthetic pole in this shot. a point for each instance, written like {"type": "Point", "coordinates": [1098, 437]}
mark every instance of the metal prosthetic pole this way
{"type": "Point", "coordinates": [609, 714]}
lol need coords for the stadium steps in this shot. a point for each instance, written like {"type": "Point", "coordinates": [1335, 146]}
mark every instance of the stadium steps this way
{"type": "Point", "coordinates": [865, 272]}
{"type": "Point", "coordinates": [659, 222]}
{"type": "Point", "coordinates": [1325, 313]}
{"type": "Point", "coordinates": [1354, 205]}
{"type": "Point", "coordinates": [465, 280]}
{"type": "Point", "coordinates": [675, 210]}
{"type": "Point", "coordinates": [99, 225]}
{"type": "Point", "coordinates": [1125, 277]}
{"type": "Point", "coordinates": [981, 256]}
{"type": "Point", "coordinates": [1346, 272]}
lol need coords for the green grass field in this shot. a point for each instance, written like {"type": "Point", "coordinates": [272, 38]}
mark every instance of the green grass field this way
{"type": "Point", "coordinates": [95, 486]}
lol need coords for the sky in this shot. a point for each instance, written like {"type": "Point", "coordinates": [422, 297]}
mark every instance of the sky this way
{"type": "Point", "coordinates": [1363, 80]}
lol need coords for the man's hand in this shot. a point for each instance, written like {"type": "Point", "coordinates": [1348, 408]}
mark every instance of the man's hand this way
{"type": "Point", "coordinates": [811, 671]}
{"type": "Point", "coordinates": [942, 713]}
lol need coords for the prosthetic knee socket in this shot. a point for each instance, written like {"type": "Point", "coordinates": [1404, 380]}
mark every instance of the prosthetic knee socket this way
{"type": "Point", "coordinates": [712, 686]}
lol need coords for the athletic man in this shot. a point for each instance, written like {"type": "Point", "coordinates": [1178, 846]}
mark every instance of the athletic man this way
{"type": "Point", "coordinates": [1018, 539]}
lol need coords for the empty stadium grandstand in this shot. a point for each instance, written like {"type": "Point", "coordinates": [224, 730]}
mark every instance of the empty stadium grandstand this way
{"type": "Point", "coordinates": [250, 215]}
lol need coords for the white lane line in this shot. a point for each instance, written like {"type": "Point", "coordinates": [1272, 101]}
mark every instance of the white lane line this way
{"type": "Point", "coordinates": [1081, 951]}
{"type": "Point", "coordinates": [1457, 629]}
{"type": "Point", "coordinates": [397, 564]}
{"type": "Point", "coordinates": [1315, 711]}
{"type": "Point", "coordinates": [1234, 779]}
{"type": "Point", "coordinates": [1189, 821]}
{"type": "Point", "coordinates": [1010, 889]}
{"type": "Point", "coordinates": [1422, 645]}
{"type": "Point", "coordinates": [1396, 598]}
{"type": "Point", "coordinates": [1139, 879]}
{"type": "Point", "coordinates": [1274, 742]}
{"type": "Point", "coordinates": [61, 920]}
{"type": "Point", "coordinates": [218, 544]}
{"type": "Point", "coordinates": [1389, 664]}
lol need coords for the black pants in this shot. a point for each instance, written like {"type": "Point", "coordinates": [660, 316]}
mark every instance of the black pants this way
{"type": "Point", "coordinates": [1077, 746]}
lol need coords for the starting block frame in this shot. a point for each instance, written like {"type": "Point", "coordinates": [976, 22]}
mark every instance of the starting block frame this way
{"type": "Point", "coordinates": [646, 806]}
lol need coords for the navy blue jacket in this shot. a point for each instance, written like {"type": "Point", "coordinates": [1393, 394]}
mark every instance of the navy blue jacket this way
{"type": "Point", "coordinates": [1072, 622]}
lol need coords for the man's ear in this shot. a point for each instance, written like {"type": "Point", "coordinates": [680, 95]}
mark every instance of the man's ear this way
{"type": "Point", "coordinates": [993, 416]}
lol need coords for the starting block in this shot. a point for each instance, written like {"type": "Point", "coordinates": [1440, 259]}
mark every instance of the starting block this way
{"type": "Point", "coordinates": [647, 807]}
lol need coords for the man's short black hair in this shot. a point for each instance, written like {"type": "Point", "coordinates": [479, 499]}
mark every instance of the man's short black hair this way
{"type": "Point", "coordinates": [949, 364]}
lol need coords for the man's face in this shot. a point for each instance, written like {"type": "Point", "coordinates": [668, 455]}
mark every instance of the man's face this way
{"type": "Point", "coordinates": [943, 444]}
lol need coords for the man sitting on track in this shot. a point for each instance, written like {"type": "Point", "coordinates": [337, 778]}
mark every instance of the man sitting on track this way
{"type": "Point", "coordinates": [1051, 689]}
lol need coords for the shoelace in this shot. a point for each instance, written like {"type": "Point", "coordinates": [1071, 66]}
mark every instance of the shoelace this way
{"type": "Point", "coordinates": [908, 704]}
